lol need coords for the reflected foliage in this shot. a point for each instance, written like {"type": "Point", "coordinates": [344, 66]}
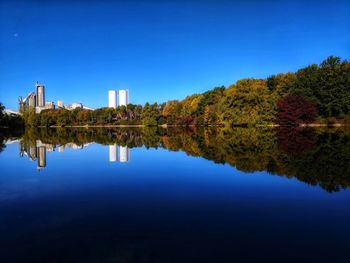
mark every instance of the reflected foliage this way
{"type": "Point", "coordinates": [9, 135]}
{"type": "Point", "coordinates": [2, 144]}
{"type": "Point", "coordinates": [296, 140]}
{"type": "Point", "coordinates": [317, 157]}
{"type": "Point", "coordinates": [325, 163]}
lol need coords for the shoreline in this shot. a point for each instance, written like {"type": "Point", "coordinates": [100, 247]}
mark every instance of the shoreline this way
{"type": "Point", "coordinates": [210, 125]}
{"type": "Point", "coordinates": [96, 126]}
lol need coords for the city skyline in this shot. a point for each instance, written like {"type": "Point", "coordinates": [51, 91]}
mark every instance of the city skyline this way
{"type": "Point", "coordinates": [162, 51]}
{"type": "Point", "coordinates": [36, 100]}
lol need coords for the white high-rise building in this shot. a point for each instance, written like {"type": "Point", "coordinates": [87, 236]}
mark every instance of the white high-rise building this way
{"type": "Point", "coordinates": [112, 99]}
{"type": "Point", "coordinates": [124, 154]}
{"type": "Point", "coordinates": [113, 153]}
{"type": "Point", "coordinates": [123, 97]}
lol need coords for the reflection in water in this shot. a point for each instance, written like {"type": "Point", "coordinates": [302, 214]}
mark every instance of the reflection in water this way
{"type": "Point", "coordinates": [317, 157]}
{"type": "Point", "coordinates": [296, 140]}
{"type": "Point", "coordinates": [41, 157]}
{"type": "Point", "coordinates": [37, 151]}
{"type": "Point", "coordinates": [61, 148]}
{"type": "Point", "coordinates": [122, 154]}
{"type": "Point", "coordinates": [167, 207]}
{"type": "Point", "coordinates": [113, 153]}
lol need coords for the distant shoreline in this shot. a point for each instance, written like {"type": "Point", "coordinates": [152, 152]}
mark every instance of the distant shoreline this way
{"type": "Point", "coordinates": [210, 125]}
{"type": "Point", "coordinates": [97, 126]}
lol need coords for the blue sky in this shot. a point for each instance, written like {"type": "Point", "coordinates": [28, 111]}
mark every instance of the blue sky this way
{"type": "Point", "coordinates": [159, 50]}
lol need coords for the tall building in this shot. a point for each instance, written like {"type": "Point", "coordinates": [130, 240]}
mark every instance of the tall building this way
{"type": "Point", "coordinates": [31, 100]}
{"type": "Point", "coordinates": [40, 95]}
{"type": "Point", "coordinates": [112, 99]}
{"type": "Point", "coordinates": [123, 97]}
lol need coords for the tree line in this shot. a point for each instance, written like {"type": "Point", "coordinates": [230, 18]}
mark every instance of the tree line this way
{"type": "Point", "coordinates": [316, 93]}
{"type": "Point", "coordinates": [11, 121]}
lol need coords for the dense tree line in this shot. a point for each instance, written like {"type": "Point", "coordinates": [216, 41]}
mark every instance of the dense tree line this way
{"type": "Point", "coordinates": [10, 126]}
{"type": "Point", "coordinates": [102, 116]}
{"type": "Point", "coordinates": [10, 120]}
{"type": "Point", "coordinates": [315, 93]}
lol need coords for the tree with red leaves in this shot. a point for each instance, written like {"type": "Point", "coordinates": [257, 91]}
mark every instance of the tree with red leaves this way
{"type": "Point", "coordinates": [295, 110]}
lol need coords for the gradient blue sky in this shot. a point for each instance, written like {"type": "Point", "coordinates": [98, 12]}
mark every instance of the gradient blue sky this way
{"type": "Point", "coordinates": [159, 50]}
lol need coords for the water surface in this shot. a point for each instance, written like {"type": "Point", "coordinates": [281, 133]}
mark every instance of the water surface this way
{"type": "Point", "coordinates": [157, 195]}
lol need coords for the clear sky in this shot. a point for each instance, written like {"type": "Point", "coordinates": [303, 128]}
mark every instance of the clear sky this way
{"type": "Point", "coordinates": [159, 50]}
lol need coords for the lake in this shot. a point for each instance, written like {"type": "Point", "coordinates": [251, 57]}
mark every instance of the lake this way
{"type": "Point", "coordinates": [175, 195]}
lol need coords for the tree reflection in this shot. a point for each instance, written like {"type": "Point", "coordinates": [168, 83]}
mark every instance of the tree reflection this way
{"type": "Point", "coordinates": [316, 157]}
{"type": "Point", "coordinates": [326, 164]}
{"type": "Point", "coordinates": [296, 140]}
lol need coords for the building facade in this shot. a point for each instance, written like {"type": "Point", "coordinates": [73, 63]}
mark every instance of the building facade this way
{"type": "Point", "coordinates": [40, 94]}
{"type": "Point", "coordinates": [60, 104]}
{"type": "Point", "coordinates": [123, 97]}
{"type": "Point", "coordinates": [112, 99]}
{"type": "Point", "coordinates": [34, 100]}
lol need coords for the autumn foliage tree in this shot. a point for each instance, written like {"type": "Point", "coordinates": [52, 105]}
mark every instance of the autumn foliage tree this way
{"type": "Point", "coordinates": [294, 110]}
{"type": "Point", "coordinates": [248, 102]}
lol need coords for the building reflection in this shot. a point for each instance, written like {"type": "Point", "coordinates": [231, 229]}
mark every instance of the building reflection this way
{"type": "Point", "coordinates": [61, 148]}
{"type": "Point", "coordinates": [37, 150]}
{"type": "Point", "coordinates": [41, 153]}
{"type": "Point", "coordinates": [113, 153]}
{"type": "Point", "coordinates": [124, 154]}
{"type": "Point", "coordinates": [119, 153]}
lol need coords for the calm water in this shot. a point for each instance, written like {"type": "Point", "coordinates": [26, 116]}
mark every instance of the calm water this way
{"type": "Point", "coordinates": [154, 195]}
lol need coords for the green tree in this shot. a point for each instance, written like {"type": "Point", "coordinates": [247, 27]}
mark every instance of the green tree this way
{"type": "Point", "coordinates": [172, 111]}
{"type": "Point", "coordinates": [32, 118]}
{"type": "Point", "coordinates": [248, 102]}
{"type": "Point", "coordinates": [150, 115]}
